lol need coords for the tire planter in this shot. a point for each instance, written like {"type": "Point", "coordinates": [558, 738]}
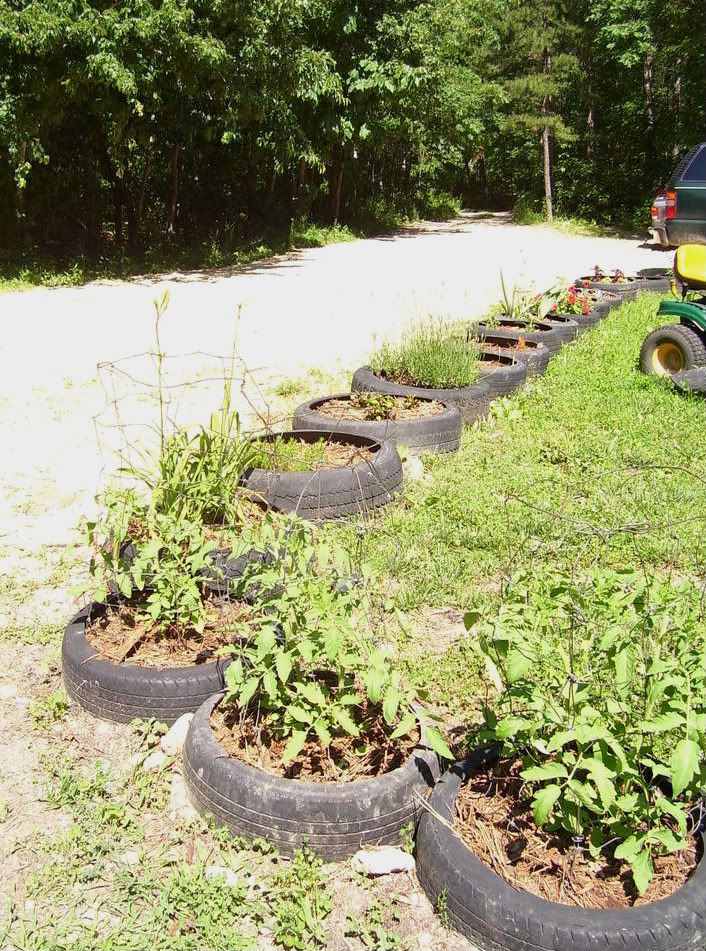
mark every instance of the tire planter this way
{"type": "Point", "coordinates": [500, 917]}
{"type": "Point", "coordinates": [472, 401]}
{"type": "Point", "coordinates": [333, 819]}
{"type": "Point", "coordinates": [124, 692]}
{"type": "Point", "coordinates": [504, 379]}
{"type": "Point", "coordinates": [327, 494]}
{"type": "Point", "coordinates": [659, 278]}
{"type": "Point", "coordinates": [630, 288]}
{"type": "Point", "coordinates": [438, 434]}
{"type": "Point", "coordinates": [543, 332]}
{"type": "Point", "coordinates": [535, 356]}
{"type": "Point", "coordinates": [566, 327]}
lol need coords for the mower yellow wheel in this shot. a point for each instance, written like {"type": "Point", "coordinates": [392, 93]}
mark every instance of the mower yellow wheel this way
{"type": "Point", "coordinates": [667, 358]}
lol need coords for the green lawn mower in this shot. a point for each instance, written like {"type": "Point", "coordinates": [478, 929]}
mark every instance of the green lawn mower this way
{"type": "Point", "coordinates": [676, 348]}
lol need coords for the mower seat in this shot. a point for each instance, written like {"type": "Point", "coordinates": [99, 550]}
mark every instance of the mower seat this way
{"type": "Point", "coordinates": [690, 266]}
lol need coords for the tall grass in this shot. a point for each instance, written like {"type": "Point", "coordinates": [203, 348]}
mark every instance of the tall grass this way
{"type": "Point", "coordinates": [430, 354]}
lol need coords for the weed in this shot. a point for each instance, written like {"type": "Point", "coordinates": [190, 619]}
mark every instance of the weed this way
{"type": "Point", "coordinates": [291, 387]}
{"type": "Point", "coordinates": [49, 709]}
{"type": "Point", "coordinates": [288, 455]}
{"type": "Point", "coordinates": [441, 907]}
{"type": "Point", "coordinates": [299, 902]}
{"type": "Point", "coordinates": [430, 355]}
{"type": "Point", "coordinates": [372, 930]}
{"type": "Point", "coordinates": [407, 837]}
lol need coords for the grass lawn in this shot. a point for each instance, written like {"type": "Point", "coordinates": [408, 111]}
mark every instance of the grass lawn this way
{"type": "Point", "coordinates": [593, 461]}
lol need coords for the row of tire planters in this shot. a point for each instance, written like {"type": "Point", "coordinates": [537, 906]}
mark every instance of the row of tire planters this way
{"type": "Point", "coordinates": [654, 280]}
{"type": "Point", "coordinates": [334, 819]}
{"type": "Point", "coordinates": [498, 916]}
{"type": "Point", "coordinates": [329, 493]}
{"type": "Point", "coordinates": [504, 374]}
{"type": "Point", "coordinates": [437, 428]}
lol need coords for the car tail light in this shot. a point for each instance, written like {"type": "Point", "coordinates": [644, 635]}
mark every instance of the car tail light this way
{"type": "Point", "coordinates": [670, 204]}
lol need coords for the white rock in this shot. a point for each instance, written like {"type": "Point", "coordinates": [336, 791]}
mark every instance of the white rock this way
{"type": "Point", "coordinates": [155, 761]}
{"type": "Point", "coordinates": [220, 871]}
{"type": "Point", "coordinates": [413, 469]}
{"type": "Point", "coordinates": [173, 740]}
{"type": "Point", "coordinates": [130, 858]}
{"type": "Point", "coordinates": [383, 860]}
{"type": "Point", "coordinates": [179, 806]}
{"type": "Point", "coordinates": [425, 939]}
{"type": "Point", "coordinates": [7, 691]}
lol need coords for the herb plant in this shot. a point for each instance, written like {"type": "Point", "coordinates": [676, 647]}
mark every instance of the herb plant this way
{"type": "Point", "coordinates": [309, 674]}
{"type": "Point", "coordinates": [378, 406]}
{"type": "Point", "coordinates": [431, 355]}
{"type": "Point", "coordinates": [600, 688]}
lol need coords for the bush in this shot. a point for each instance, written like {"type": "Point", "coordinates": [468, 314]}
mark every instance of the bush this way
{"type": "Point", "coordinates": [600, 688]}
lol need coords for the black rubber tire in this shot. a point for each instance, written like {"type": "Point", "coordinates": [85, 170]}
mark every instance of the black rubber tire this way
{"type": "Point", "coordinates": [633, 287]}
{"type": "Point", "coordinates": [566, 327]}
{"type": "Point", "coordinates": [124, 692]}
{"type": "Point", "coordinates": [472, 400]}
{"type": "Point", "coordinates": [659, 279]}
{"type": "Point", "coordinates": [496, 916]}
{"type": "Point", "coordinates": [543, 332]}
{"type": "Point", "coordinates": [328, 494]}
{"type": "Point", "coordinates": [535, 356]}
{"type": "Point", "coordinates": [505, 379]}
{"type": "Point", "coordinates": [437, 434]}
{"type": "Point", "coordinates": [694, 381]}
{"type": "Point", "coordinates": [333, 819]}
{"type": "Point", "coordinates": [688, 341]}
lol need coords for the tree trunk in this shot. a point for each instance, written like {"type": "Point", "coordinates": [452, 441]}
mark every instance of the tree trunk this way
{"type": "Point", "coordinates": [546, 143]}
{"type": "Point", "coordinates": [591, 133]}
{"type": "Point", "coordinates": [174, 203]}
{"type": "Point", "coordinates": [336, 187]}
{"type": "Point", "coordinates": [648, 84]}
{"type": "Point", "coordinates": [118, 203]}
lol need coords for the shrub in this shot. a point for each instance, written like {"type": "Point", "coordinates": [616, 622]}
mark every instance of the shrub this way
{"type": "Point", "coordinates": [600, 688]}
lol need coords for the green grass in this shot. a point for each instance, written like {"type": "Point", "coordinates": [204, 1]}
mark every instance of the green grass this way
{"type": "Point", "coordinates": [288, 455]}
{"type": "Point", "coordinates": [430, 354]}
{"type": "Point", "coordinates": [594, 461]}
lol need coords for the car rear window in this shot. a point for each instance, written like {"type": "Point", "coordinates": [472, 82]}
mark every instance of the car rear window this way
{"type": "Point", "coordinates": [696, 170]}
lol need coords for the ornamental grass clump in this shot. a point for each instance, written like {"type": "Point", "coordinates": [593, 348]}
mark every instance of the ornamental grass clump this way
{"type": "Point", "coordinates": [429, 355]}
{"type": "Point", "coordinates": [598, 688]}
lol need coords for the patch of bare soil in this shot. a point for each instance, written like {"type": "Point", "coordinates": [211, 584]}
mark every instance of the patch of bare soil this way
{"type": "Point", "coordinates": [253, 744]}
{"type": "Point", "coordinates": [395, 408]}
{"type": "Point", "coordinates": [496, 823]}
{"type": "Point", "coordinates": [122, 634]}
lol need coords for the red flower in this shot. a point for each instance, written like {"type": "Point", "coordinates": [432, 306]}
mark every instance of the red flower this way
{"type": "Point", "coordinates": [585, 283]}
{"type": "Point", "coordinates": [585, 309]}
{"type": "Point", "coordinates": [555, 307]}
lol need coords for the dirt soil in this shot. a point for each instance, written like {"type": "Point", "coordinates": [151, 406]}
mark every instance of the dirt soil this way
{"type": "Point", "coordinates": [250, 742]}
{"type": "Point", "coordinates": [123, 635]}
{"type": "Point", "coordinates": [396, 407]}
{"type": "Point", "coordinates": [496, 823]}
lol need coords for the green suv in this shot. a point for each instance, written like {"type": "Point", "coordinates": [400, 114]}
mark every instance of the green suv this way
{"type": "Point", "coordinates": [679, 212]}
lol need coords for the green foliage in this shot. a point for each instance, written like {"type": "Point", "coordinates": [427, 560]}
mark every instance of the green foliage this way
{"type": "Point", "coordinates": [601, 690]}
{"type": "Point", "coordinates": [309, 674]}
{"type": "Point", "coordinates": [429, 355]}
{"type": "Point", "coordinates": [300, 901]}
{"type": "Point", "coordinates": [49, 709]}
{"type": "Point", "coordinates": [288, 455]}
{"type": "Point", "coordinates": [372, 930]}
{"type": "Point", "coordinates": [377, 406]}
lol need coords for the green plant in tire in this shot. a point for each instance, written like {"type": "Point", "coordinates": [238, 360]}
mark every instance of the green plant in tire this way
{"type": "Point", "coordinates": [565, 300]}
{"type": "Point", "coordinates": [431, 355]}
{"type": "Point", "coordinates": [309, 674]}
{"type": "Point", "coordinates": [599, 687]}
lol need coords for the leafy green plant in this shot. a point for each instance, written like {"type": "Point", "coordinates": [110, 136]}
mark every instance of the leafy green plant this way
{"type": "Point", "coordinates": [287, 455]}
{"type": "Point", "coordinates": [309, 674]}
{"type": "Point", "coordinates": [565, 300]}
{"type": "Point", "coordinates": [377, 406]}
{"type": "Point", "coordinates": [372, 929]}
{"type": "Point", "coordinates": [431, 355]}
{"type": "Point", "coordinates": [600, 687]}
{"type": "Point", "coordinates": [300, 902]}
{"type": "Point", "coordinates": [49, 709]}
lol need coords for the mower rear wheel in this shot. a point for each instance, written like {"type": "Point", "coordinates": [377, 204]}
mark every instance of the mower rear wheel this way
{"type": "Point", "coordinates": [672, 349]}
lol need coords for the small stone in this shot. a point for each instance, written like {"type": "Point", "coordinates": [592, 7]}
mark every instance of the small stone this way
{"type": "Point", "coordinates": [425, 939]}
{"type": "Point", "coordinates": [22, 701]}
{"type": "Point", "coordinates": [7, 691]}
{"type": "Point", "coordinates": [130, 858]}
{"type": "Point", "coordinates": [179, 805]}
{"type": "Point", "coordinates": [173, 740]}
{"type": "Point", "coordinates": [155, 761]}
{"type": "Point", "coordinates": [413, 469]}
{"type": "Point", "coordinates": [220, 871]}
{"type": "Point", "coordinates": [383, 861]}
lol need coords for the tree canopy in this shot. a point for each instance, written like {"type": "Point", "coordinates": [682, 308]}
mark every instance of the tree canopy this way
{"type": "Point", "coordinates": [129, 123]}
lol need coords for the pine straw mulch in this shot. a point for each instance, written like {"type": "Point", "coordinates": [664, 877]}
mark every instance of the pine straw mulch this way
{"type": "Point", "coordinates": [250, 742]}
{"type": "Point", "coordinates": [121, 635]}
{"type": "Point", "coordinates": [400, 407]}
{"type": "Point", "coordinates": [497, 825]}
